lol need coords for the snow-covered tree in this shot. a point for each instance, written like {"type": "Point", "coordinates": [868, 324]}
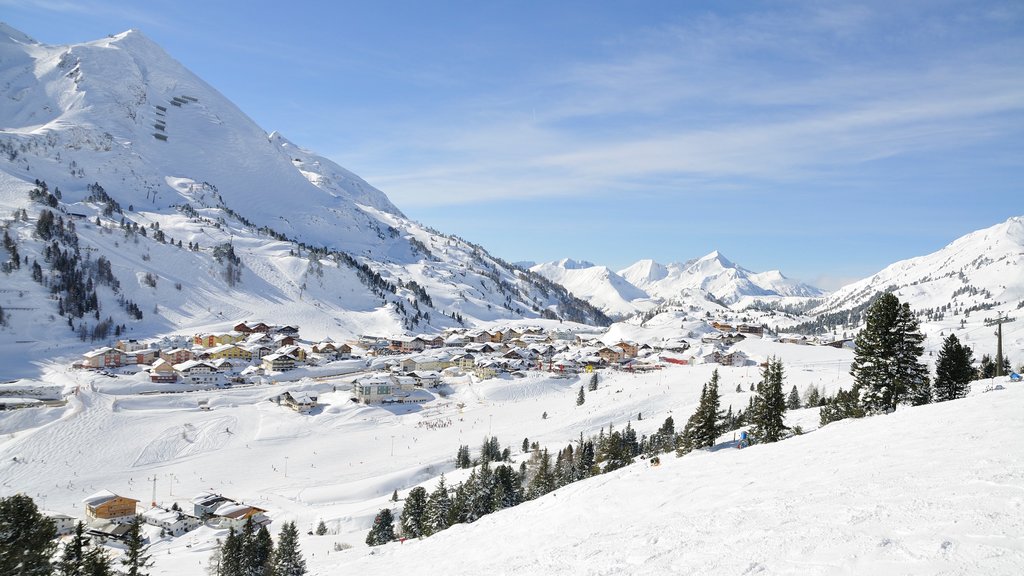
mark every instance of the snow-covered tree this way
{"type": "Point", "coordinates": [414, 514]}
{"type": "Point", "coordinates": [769, 406]}
{"type": "Point", "coordinates": [953, 370]}
{"type": "Point", "coordinates": [383, 529]}
{"type": "Point", "coordinates": [886, 368]}
{"type": "Point", "coordinates": [288, 560]}
{"type": "Point", "coordinates": [793, 400]}
{"type": "Point", "coordinates": [705, 425]}
{"type": "Point", "coordinates": [438, 509]}
{"type": "Point", "coordinates": [135, 559]}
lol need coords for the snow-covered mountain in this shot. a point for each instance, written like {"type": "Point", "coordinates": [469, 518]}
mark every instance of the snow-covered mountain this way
{"type": "Point", "coordinates": [715, 274]}
{"type": "Point", "coordinates": [146, 165]}
{"type": "Point", "coordinates": [598, 285]}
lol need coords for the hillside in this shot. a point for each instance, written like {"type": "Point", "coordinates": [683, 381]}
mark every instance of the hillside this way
{"type": "Point", "coordinates": [605, 289]}
{"type": "Point", "coordinates": [172, 211]}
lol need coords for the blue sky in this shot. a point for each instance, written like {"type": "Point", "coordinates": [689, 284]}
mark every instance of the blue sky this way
{"type": "Point", "coordinates": [826, 139]}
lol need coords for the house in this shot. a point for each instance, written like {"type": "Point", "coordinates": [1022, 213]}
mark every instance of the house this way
{"type": "Point", "coordinates": [171, 522]}
{"type": "Point", "coordinates": [486, 369]}
{"type": "Point", "coordinates": [105, 505]}
{"type": "Point", "coordinates": [231, 351]}
{"type": "Point", "coordinates": [497, 336]}
{"type": "Point", "coordinates": [287, 329]}
{"type": "Point", "coordinates": [464, 361]}
{"type": "Point", "coordinates": [435, 341]}
{"type": "Point", "coordinates": [373, 389]}
{"type": "Point", "coordinates": [426, 377]}
{"type": "Point", "coordinates": [105, 357]}
{"type": "Point", "coordinates": [327, 347]}
{"type": "Point", "coordinates": [299, 354]}
{"type": "Point", "coordinates": [222, 365]}
{"type": "Point", "coordinates": [243, 328]}
{"type": "Point", "coordinates": [278, 362]}
{"type": "Point", "coordinates": [162, 372]}
{"type": "Point", "coordinates": [130, 345]}
{"type": "Point", "coordinates": [610, 355]}
{"type": "Point", "coordinates": [629, 349]}
{"type": "Point", "coordinates": [177, 355]}
{"type": "Point", "coordinates": [258, 351]}
{"type": "Point", "coordinates": [197, 373]}
{"type": "Point", "coordinates": [234, 515]}
{"type": "Point", "coordinates": [65, 524]}
{"type": "Point", "coordinates": [721, 326]}
{"type": "Point", "coordinates": [793, 339]}
{"type": "Point", "coordinates": [299, 401]}
{"type": "Point", "coordinates": [480, 337]}
{"type": "Point", "coordinates": [102, 531]}
{"type": "Point", "coordinates": [750, 329]}
{"type": "Point", "coordinates": [142, 356]}
{"type": "Point", "coordinates": [205, 503]}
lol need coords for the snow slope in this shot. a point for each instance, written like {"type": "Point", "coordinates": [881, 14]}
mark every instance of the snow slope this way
{"type": "Point", "coordinates": [874, 496]}
{"type": "Point", "coordinates": [596, 284]}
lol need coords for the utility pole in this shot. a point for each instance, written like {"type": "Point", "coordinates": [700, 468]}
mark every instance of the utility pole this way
{"type": "Point", "coordinates": [998, 323]}
{"type": "Point", "coordinates": [153, 503]}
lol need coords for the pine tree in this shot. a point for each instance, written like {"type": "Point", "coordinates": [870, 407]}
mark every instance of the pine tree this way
{"type": "Point", "coordinates": [383, 529]}
{"type": "Point", "coordinates": [72, 559]}
{"type": "Point", "coordinates": [705, 425]}
{"type": "Point", "coordinates": [886, 368]}
{"type": "Point", "coordinates": [793, 400]}
{"type": "Point", "coordinates": [26, 538]}
{"type": "Point", "coordinates": [462, 459]}
{"type": "Point", "coordinates": [526, 445]}
{"type": "Point", "coordinates": [953, 371]}
{"type": "Point", "coordinates": [593, 382]}
{"type": "Point", "coordinates": [135, 559]}
{"type": "Point", "coordinates": [263, 553]}
{"type": "Point", "coordinates": [988, 367]}
{"type": "Point", "coordinates": [543, 480]}
{"type": "Point", "coordinates": [229, 558]}
{"type": "Point", "coordinates": [394, 496]}
{"type": "Point", "coordinates": [580, 398]}
{"type": "Point", "coordinates": [288, 560]}
{"type": "Point", "coordinates": [845, 404]}
{"type": "Point", "coordinates": [321, 528]}
{"type": "Point", "coordinates": [438, 509]}
{"type": "Point", "coordinates": [769, 407]}
{"type": "Point", "coordinates": [414, 521]}
{"type": "Point", "coordinates": [96, 563]}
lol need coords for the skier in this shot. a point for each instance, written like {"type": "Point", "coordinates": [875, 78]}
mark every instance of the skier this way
{"type": "Point", "coordinates": [744, 441]}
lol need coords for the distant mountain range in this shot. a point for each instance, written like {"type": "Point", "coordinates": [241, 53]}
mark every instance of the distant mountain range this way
{"type": "Point", "coordinates": [647, 283]}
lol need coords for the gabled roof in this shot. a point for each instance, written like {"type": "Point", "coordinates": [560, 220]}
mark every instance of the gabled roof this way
{"type": "Point", "coordinates": [102, 497]}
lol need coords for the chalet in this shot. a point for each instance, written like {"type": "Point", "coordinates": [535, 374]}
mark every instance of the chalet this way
{"type": "Point", "coordinates": [841, 343]}
{"type": "Point", "coordinates": [299, 354]}
{"type": "Point", "coordinates": [278, 362]}
{"type": "Point", "coordinates": [177, 355]}
{"type": "Point", "coordinates": [257, 338]}
{"type": "Point", "coordinates": [732, 338]}
{"type": "Point", "coordinates": [211, 340]}
{"type": "Point", "coordinates": [486, 369]}
{"type": "Point", "coordinates": [456, 341]}
{"type": "Point", "coordinates": [222, 365]}
{"type": "Point", "coordinates": [480, 348]}
{"type": "Point", "coordinates": [105, 357]}
{"type": "Point", "coordinates": [162, 372]}
{"type": "Point", "coordinates": [610, 355]}
{"type": "Point", "coordinates": [480, 337]}
{"type": "Point", "coordinates": [142, 356]}
{"type": "Point", "coordinates": [512, 334]}
{"type": "Point", "coordinates": [721, 326]}
{"type": "Point", "coordinates": [234, 515]}
{"type": "Point", "coordinates": [793, 339]}
{"type": "Point", "coordinates": [287, 329]}
{"type": "Point", "coordinates": [464, 361]}
{"type": "Point", "coordinates": [260, 327]}
{"type": "Point", "coordinates": [565, 335]}
{"type": "Point", "coordinates": [171, 522]}
{"type": "Point", "coordinates": [197, 373]}
{"type": "Point", "coordinates": [435, 341]}
{"type": "Point", "coordinates": [327, 347]}
{"type": "Point", "coordinates": [299, 401]}
{"type": "Point", "coordinates": [102, 531]}
{"type": "Point", "coordinates": [404, 383]}
{"type": "Point", "coordinates": [750, 329]}
{"type": "Point", "coordinates": [65, 524]}
{"type": "Point", "coordinates": [426, 377]}
{"type": "Point", "coordinates": [105, 505]}
{"type": "Point", "coordinates": [497, 336]}
{"type": "Point", "coordinates": [205, 503]}
{"type": "Point", "coordinates": [629, 349]}
{"type": "Point", "coordinates": [258, 351]}
{"type": "Point", "coordinates": [283, 340]}
{"type": "Point", "coordinates": [243, 328]}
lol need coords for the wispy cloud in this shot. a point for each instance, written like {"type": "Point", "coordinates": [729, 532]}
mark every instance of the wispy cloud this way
{"type": "Point", "coordinates": [781, 97]}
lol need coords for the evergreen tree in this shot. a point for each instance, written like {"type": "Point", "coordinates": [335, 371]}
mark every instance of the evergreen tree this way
{"type": "Point", "coordinates": [953, 371]}
{"type": "Point", "coordinates": [383, 530]}
{"type": "Point", "coordinates": [321, 528]}
{"type": "Point", "coordinates": [580, 398]}
{"type": "Point", "coordinates": [886, 368]}
{"type": "Point", "coordinates": [845, 404]}
{"type": "Point", "coordinates": [988, 367]}
{"type": "Point", "coordinates": [705, 425]}
{"type": "Point", "coordinates": [414, 517]}
{"type": "Point", "coordinates": [769, 407]}
{"type": "Point", "coordinates": [135, 559]}
{"type": "Point", "coordinates": [96, 563]}
{"type": "Point", "coordinates": [230, 556]}
{"type": "Point", "coordinates": [26, 538]}
{"type": "Point", "coordinates": [288, 560]}
{"type": "Point", "coordinates": [462, 459]}
{"type": "Point", "coordinates": [263, 553]}
{"type": "Point", "coordinates": [593, 382]}
{"type": "Point", "coordinates": [438, 509]}
{"type": "Point", "coordinates": [72, 559]}
{"type": "Point", "coordinates": [793, 400]}
{"type": "Point", "coordinates": [543, 480]}
{"type": "Point", "coordinates": [526, 445]}
{"type": "Point", "coordinates": [665, 438]}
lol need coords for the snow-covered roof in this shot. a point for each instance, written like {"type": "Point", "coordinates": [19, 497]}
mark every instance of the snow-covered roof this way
{"type": "Point", "coordinates": [100, 498]}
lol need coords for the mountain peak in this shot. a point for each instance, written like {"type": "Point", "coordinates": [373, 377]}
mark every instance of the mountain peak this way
{"type": "Point", "coordinates": [716, 256]}
{"type": "Point", "coordinates": [9, 33]}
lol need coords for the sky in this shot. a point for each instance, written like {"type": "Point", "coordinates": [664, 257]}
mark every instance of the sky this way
{"type": "Point", "coordinates": [824, 139]}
